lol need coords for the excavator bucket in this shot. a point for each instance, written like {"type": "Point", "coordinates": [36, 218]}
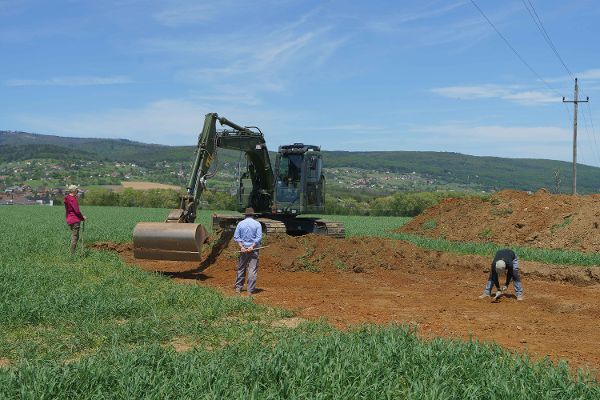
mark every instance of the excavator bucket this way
{"type": "Point", "coordinates": [168, 241]}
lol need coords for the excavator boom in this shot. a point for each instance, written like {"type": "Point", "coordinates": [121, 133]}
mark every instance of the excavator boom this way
{"type": "Point", "coordinates": [277, 197]}
{"type": "Point", "coordinates": [179, 238]}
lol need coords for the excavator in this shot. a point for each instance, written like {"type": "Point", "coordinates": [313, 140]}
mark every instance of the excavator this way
{"type": "Point", "coordinates": [279, 193]}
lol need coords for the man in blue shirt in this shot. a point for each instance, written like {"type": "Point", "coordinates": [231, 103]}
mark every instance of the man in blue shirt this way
{"type": "Point", "coordinates": [248, 235]}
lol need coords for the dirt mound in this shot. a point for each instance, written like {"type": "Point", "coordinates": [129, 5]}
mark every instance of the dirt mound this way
{"type": "Point", "coordinates": [116, 247]}
{"type": "Point", "coordinates": [511, 217]}
{"type": "Point", "coordinates": [371, 280]}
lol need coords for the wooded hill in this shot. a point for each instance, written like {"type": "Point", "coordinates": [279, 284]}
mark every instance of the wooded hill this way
{"type": "Point", "coordinates": [475, 172]}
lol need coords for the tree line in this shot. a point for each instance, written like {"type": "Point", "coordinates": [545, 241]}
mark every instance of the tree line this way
{"type": "Point", "coordinates": [402, 204]}
{"type": "Point", "coordinates": [153, 198]}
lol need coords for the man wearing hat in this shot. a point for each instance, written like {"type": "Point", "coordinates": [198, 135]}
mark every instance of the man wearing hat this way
{"type": "Point", "coordinates": [73, 215]}
{"type": "Point", "coordinates": [506, 263]}
{"type": "Point", "coordinates": [248, 234]}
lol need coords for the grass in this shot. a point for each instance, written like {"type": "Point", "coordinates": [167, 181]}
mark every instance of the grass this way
{"type": "Point", "coordinates": [560, 225]}
{"type": "Point", "coordinates": [92, 327]}
{"type": "Point", "coordinates": [340, 265]}
{"type": "Point", "coordinates": [501, 212]}
{"type": "Point", "coordinates": [548, 256]}
{"type": "Point", "coordinates": [429, 224]}
{"type": "Point", "coordinates": [54, 307]}
{"type": "Point", "coordinates": [485, 234]}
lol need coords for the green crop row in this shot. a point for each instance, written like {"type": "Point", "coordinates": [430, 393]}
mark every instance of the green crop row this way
{"type": "Point", "coordinates": [548, 256]}
{"type": "Point", "coordinates": [307, 363]}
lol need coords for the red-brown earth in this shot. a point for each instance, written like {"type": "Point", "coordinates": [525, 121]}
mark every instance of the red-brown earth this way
{"type": "Point", "coordinates": [371, 280]}
{"type": "Point", "coordinates": [540, 220]}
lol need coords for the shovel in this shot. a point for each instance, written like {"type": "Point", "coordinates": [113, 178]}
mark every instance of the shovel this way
{"type": "Point", "coordinates": [256, 248]}
{"type": "Point", "coordinates": [81, 235]}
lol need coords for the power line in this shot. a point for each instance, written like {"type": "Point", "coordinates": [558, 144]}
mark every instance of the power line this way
{"type": "Point", "coordinates": [593, 133]}
{"type": "Point", "coordinates": [514, 50]}
{"type": "Point", "coordinates": [540, 25]}
{"type": "Point", "coordinates": [517, 53]}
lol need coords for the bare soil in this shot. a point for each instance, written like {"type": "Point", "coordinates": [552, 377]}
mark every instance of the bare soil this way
{"type": "Point", "coordinates": [147, 185]}
{"type": "Point", "coordinates": [538, 220]}
{"type": "Point", "coordinates": [371, 280]}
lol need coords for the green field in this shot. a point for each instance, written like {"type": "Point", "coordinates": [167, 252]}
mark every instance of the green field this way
{"type": "Point", "coordinates": [92, 327]}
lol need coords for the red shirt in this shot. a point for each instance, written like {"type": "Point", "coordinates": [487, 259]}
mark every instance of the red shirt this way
{"type": "Point", "coordinates": [73, 214]}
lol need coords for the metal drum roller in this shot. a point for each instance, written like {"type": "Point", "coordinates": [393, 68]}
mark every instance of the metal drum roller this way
{"type": "Point", "coordinates": [168, 241]}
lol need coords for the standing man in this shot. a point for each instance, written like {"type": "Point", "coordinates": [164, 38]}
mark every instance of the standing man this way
{"type": "Point", "coordinates": [248, 234]}
{"type": "Point", "coordinates": [505, 262]}
{"type": "Point", "coordinates": [73, 215]}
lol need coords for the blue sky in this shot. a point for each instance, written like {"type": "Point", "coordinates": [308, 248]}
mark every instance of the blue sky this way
{"type": "Point", "coordinates": [348, 75]}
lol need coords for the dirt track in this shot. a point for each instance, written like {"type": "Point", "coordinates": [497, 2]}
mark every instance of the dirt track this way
{"type": "Point", "coordinates": [147, 185]}
{"type": "Point", "coordinates": [373, 280]}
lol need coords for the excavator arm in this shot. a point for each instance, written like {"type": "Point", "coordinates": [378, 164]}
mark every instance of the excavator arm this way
{"type": "Point", "coordinates": [205, 153]}
{"type": "Point", "coordinates": [179, 238]}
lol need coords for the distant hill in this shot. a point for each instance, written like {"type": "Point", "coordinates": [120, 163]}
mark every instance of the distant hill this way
{"type": "Point", "coordinates": [487, 172]}
{"type": "Point", "coordinates": [20, 145]}
{"type": "Point", "coordinates": [474, 172]}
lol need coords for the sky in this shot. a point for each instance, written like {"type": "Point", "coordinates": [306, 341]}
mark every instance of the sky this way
{"type": "Point", "coordinates": [347, 75]}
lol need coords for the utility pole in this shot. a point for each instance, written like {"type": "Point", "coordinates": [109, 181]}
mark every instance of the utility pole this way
{"type": "Point", "coordinates": [575, 101]}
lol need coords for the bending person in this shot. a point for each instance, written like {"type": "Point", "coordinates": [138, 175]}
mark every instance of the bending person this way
{"type": "Point", "coordinates": [505, 262]}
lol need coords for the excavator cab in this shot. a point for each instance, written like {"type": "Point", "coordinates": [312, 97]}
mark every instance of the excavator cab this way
{"type": "Point", "coordinates": [299, 185]}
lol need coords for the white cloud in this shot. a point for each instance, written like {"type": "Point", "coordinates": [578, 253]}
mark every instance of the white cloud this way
{"type": "Point", "coordinates": [590, 74]}
{"type": "Point", "coordinates": [547, 142]}
{"type": "Point", "coordinates": [496, 133]}
{"type": "Point", "coordinates": [391, 24]}
{"type": "Point", "coordinates": [165, 121]}
{"type": "Point", "coordinates": [71, 81]}
{"type": "Point", "coordinates": [532, 97]}
{"type": "Point", "coordinates": [436, 24]}
{"type": "Point", "coordinates": [251, 62]}
{"type": "Point", "coordinates": [587, 75]}
{"type": "Point", "coordinates": [250, 53]}
{"type": "Point", "coordinates": [157, 122]}
{"type": "Point", "coordinates": [475, 91]}
{"type": "Point", "coordinates": [227, 94]}
{"type": "Point", "coordinates": [8, 7]}
{"type": "Point", "coordinates": [184, 14]}
{"type": "Point", "coordinates": [354, 128]}
{"type": "Point", "coordinates": [514, 93]}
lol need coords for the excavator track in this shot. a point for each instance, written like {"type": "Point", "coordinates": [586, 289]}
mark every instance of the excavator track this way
{"type": "Point", "coordinates": [331, 228]}
{"type": "Point", "coordinates": [229, 222]}
{"type": "Point", "coordinates": [273, 226]}
{"type": "Point", "coordinates": [290, 226]}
